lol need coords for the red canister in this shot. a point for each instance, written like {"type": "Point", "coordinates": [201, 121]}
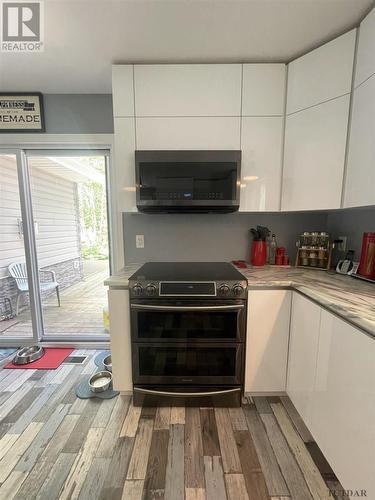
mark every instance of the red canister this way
{"type": "Point", "coordinates": [258, 253]}
{"type": "Point", "coordinates": [367, 262]}
{"type": "Point", "coordinates": [279, 260]}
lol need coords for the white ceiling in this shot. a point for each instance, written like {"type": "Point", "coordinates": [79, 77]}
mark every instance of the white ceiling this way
{"type": "Point", "coordinates": [84, 37]}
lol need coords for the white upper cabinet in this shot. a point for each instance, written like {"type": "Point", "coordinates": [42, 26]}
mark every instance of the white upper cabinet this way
{"type": "Point", "coordinates": [189, 132]}
{"type": "Point", "coordinates": [314, 156]}
{"type": "Point", "coordinates": [263, 89]}
{"type": "Point", "coordinates": [365, 66]}
{"type": "Point", "coordinates": [123, 159]}
{"type": "Point", "coordinates": [188, 90]}
{"type": "Point", "coordinates": [123, 90]}
{"type": "Point", "coordinates": [322, 74]}
{"type": "Point", "coordinates": [261, 144]}
{"type": "Point", "coordinates": [360, 172]}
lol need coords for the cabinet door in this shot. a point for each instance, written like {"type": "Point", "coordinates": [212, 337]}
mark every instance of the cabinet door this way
{"type": "Point", "coordinates": [314, 155]}
{"type": "Point", "coordinates": [343, 418]}
{"type": "Point", "coordinates": [261, 144]}
{"type": "Point", "coordinates": [322, 74]}
{"type": "Point", "coordinates": [123, 157]}
{"type": "Point", "coordinates": [360, 173]}
{"type": "Point", "coordinates": [188, 90]}
{"type": "Point", "coordinates": [365, 65]}
{"type": "Point", "coordinates": [119, 321]}
{"type": "Point", "coordinates": [263, 89]}
{"type": "Point", "coordinates": [303, 348]}
{"type": "Point", "coordinates": [122, 90]}
{"type": "Point", "coordinates": [188, 133]}
{"type": "Point", "coordinates": [267, 340]}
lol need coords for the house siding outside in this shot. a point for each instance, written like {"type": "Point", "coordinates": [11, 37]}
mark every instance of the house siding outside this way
{"type": "Point", "coordinates": [55, 208]}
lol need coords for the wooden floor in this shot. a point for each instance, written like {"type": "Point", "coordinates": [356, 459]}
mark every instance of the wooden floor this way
{"type": "Point", "coordinates": [54, 445]}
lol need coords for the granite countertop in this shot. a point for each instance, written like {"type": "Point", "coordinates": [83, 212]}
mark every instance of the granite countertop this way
{"type": "Point", "coordinates": [120, 280]}
{"type": "Point", "coordinates": [351, 299]}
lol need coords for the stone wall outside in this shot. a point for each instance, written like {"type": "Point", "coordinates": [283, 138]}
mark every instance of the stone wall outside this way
{"type": "Point", "coordinates": [66, 275]}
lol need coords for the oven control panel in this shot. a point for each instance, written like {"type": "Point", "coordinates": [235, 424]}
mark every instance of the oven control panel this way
{"type": "Point", "coordinates": [188, 289]}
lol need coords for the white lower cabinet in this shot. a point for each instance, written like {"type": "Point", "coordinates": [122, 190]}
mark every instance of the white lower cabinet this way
{"type": "Point", "coordinates": [119, 317]}
{"type": "Point", "coordinates": [303, 348]}
{"type": "Point", "coordinates": [343, 409]}
{"type": "Point", "coordinates": [331, 381]}
{"type": "Point", "coordinates": [267, 340]}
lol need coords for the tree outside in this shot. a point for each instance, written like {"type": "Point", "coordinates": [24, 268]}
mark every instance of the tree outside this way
{"type": "Point", "coordinates": [92, 201]}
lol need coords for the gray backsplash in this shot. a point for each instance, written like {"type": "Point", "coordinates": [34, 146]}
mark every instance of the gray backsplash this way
{"type": "Point", "coordinates": [351, 223]}
{"type": "Point", "coordinates": [210, 237]}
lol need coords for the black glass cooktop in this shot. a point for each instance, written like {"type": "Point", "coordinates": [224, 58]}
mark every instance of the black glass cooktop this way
{"type": "Point", "coordinates": [187, 271]}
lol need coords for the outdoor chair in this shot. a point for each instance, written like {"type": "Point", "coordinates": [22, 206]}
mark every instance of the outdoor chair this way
{"type": "Point", "coordinates": [19, 273]}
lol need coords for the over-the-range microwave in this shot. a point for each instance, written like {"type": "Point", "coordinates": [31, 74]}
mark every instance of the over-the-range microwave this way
{"type": "Point", "coordinates": [188, 181]}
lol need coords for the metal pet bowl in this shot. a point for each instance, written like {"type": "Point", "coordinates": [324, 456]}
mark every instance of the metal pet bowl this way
{"type": "Point", "coordinates": [107, 362]}
{"type": "Point", "coordinates": [27, 355]}
{"type": "Point", "coordinates": [100, 381]}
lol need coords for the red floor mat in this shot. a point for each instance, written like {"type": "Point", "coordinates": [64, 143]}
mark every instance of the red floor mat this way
{"type": "Point", "coordinates": [52, 359]}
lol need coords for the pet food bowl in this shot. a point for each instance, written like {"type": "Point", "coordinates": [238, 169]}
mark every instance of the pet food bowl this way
{"type": "Point", "coordinates": [107, 362]}
{"type": "Point", "coordinates": [100, 381]}
{"type": "Point", "coordinates": [28, 355]}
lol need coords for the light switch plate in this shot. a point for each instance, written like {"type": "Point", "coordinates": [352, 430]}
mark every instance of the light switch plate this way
{"type": "Point", "coordinates": [140, 240]}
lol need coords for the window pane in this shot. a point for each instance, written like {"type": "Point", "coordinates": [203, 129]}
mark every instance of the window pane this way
{"type": "Point", "coordinates": [15, 317]}
{"type": "Point", "coordinates": [71, 229]}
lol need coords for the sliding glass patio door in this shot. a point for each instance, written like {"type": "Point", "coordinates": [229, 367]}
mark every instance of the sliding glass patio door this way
{"type": "Point", "coordinates": [54, 246]}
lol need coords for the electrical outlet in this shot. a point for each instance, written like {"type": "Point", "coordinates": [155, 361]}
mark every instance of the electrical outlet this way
{"type": "Point", "coordinates": [342, 246]}
{"type": "Point", "coordinates": [140, 241]}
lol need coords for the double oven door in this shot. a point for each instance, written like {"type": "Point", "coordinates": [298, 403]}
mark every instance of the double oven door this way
{"type": "Point", "coordinates": [188, 342]}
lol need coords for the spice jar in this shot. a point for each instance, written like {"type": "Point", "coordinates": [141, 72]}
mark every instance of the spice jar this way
{"type": "Point", "coordinates": [321, 253]}
{"type": "Point", "coordinates": [314, 239]}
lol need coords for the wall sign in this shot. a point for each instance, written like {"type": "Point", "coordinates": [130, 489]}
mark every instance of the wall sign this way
{"type": "Point", "coordinates": [21, 112]}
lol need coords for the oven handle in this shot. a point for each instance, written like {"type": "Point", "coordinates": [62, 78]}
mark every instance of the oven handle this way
{"type": "Point", "coordinates": [184, 394]}
{"type": "Point", "coordinates": [187, 308]}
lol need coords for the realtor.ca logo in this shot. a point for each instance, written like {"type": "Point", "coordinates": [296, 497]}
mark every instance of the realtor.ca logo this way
{"type": "Point", "coordinates": [22, 26]}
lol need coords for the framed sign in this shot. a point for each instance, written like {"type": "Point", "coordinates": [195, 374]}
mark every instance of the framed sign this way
{"type": "Point", "coordinates": [21, 112]}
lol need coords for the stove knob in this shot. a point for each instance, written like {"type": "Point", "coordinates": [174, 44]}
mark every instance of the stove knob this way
{"type": "Point", "coordinates": [238, 290]}
{"type": "Point", "coordinates": [137, 290]}
{"type": "Point", "coordinates": [151, 290]}
{"type": "Point", "coordinates": [224, 290]}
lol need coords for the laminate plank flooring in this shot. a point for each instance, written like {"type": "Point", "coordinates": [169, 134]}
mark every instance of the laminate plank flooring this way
{"type": "Point", "coordinates": [55, 446]}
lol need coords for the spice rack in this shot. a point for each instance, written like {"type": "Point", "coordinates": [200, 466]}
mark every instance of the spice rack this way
{"type": "Point", "coordinates": [314, 251]}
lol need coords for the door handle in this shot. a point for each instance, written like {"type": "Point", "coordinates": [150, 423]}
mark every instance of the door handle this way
{"type": "Point", "coordinates": [187, 308]}
{"type": "Point", "coordinates": [186, 394]}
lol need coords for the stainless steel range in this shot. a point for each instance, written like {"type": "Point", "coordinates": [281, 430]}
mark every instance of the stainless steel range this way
{"type": "Point", "coordinates": [188, 324]}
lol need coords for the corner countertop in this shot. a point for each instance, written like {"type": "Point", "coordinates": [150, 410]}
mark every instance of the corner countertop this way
{"type": "Point", "coordinates": [351, 299]}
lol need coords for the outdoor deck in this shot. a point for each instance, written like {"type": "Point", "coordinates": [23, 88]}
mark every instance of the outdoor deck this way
{"type": "Point", "coordinates": [81, 311]}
